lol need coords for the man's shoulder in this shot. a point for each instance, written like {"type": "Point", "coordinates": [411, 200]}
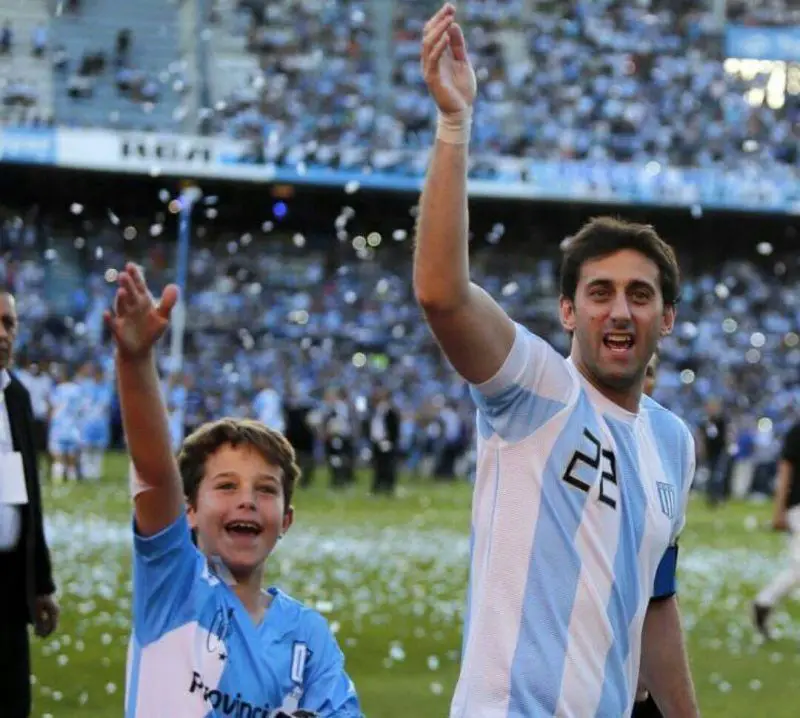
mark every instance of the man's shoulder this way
{"type": "Point", "coordinates": [664, 420]}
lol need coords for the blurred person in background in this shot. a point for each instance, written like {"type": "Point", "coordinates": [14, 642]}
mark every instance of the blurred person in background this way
{"type": "Point", "coordinates": [175, 393]}
{"type": "Point", "coordinates": [195, 402]}
{"type": "Point", "coordinates": [383, 430]}
{"type": "Point", "coordinates": [28, 589]}
{"type": "Point", "coordinates": [300, 432]}
{"type": "Point", "coordinates": [268, 407]}
{"type": "Point", "coordinates": [39, 384]}
{"type": "Point", "coordinates": [714, 451]}
{"type": "Point", "coordinates": [64, 440]}
{"type": "Point", "coordinates": [451, 442]}
{"type": "Point", "coordinates": [786, 517]}
{"type": "Point", "coordinates": [96, 426]}
{"type": "Point", "coordinates": [338, 429]}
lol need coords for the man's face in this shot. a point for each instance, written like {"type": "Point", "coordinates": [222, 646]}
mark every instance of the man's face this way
{"type": "Point", "coordinates": [240, 509]}
{"type": "Point", "coordinates": [617, 318]}
{"type": "Point", "coordinates": [8, 329]}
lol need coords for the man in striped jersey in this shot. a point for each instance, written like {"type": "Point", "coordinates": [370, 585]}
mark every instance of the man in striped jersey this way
{"type": "Point", "coordinates": [582, 481]}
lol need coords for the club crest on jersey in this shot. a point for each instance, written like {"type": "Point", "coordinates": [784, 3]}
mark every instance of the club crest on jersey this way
{"type": "Point", "coordinates": [666, 497]}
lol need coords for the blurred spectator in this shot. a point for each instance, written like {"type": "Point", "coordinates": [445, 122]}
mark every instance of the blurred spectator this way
{"type": "Point", "coordinates": [6, 38]}
{"type": "Point", "coordinates": [39, 40]}
{"type": "Point", "coordinates": [122, 49]}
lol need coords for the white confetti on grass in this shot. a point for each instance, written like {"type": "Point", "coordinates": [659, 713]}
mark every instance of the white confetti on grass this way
{"type": "Point", "coordinates": [395, 593]}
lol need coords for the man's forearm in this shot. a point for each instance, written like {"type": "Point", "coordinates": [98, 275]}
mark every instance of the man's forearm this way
{"type": "Point", "coordinates": [665, 665]}
{"type": "Point", "coordinates": [441, 260]}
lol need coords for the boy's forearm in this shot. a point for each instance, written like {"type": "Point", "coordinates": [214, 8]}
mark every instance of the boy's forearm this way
{"type": "Point", "coordinates": [144, 417]}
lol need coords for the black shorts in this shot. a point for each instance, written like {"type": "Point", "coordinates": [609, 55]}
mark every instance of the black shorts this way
{"type": "Point", "coordinates": [646, 709]}
{"type": "Point", "coordinates": [15, 679]}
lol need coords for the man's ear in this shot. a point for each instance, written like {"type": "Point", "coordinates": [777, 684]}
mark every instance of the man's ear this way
{"type": "Point", "coordinates": [668, 320]}
{"type": "Point", "coordinates": [191, 513]}
{"type": "Point", "coordinates": [566, 311]}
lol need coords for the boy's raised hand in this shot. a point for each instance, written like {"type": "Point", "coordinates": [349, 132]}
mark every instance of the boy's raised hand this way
{"type": "Point", "coordinates": [138, 321]}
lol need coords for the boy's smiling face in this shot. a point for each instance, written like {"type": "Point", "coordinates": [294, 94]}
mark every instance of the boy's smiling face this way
{"type": "Point", "coordinates": [240, 509]}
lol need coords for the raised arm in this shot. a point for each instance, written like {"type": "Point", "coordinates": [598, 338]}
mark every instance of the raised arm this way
{"type": "Point", "coordinates": [136, 325]}
{"type": "Point", "coordinates": [472, 329]}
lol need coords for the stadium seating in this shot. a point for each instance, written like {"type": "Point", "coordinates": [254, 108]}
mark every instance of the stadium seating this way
{"type": "Point", "coordinates": [338, 83]}
{"type": "Point", "coordinates": [601, 81]}
{"type": "Point", "coordinates": [26, 82]}
{"type": "Point", "coordinates": [294, 72]}
{"type": "Point", "coordinates": [763, 12]}
{"type": "Point", "coordinates": [123, 65]}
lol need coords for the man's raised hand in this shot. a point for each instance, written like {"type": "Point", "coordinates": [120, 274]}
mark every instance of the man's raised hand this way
{"type": "Point", "coordinates": [445, 63]}
{"type": "Point", "coordinates": [137, 321]}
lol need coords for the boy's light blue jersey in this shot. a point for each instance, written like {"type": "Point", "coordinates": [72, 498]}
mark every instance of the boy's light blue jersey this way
{"type": "Point", "coordinates": [577, 506]}
{"type": "Point", "coordinates": [196, 653]}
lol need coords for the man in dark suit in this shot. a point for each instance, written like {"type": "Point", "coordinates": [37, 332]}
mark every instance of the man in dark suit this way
{"type": "Point", "coordinates": [384, 434]}
{"type": "Point", "coordinates": [28, 588]}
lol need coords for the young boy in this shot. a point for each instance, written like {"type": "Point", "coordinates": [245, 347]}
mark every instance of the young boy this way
{"type": "Point", "coordinates": [207, 640]}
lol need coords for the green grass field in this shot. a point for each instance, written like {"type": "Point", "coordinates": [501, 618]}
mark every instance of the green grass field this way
{"type": "Point", "coordinates": [390, 576]}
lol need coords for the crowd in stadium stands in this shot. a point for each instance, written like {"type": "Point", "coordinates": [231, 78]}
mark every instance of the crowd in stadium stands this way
{"type": "Point", "coordinates": [316, 78]}
{"type": "Point", "coordinates": [601, 80]}
{"type": "Point", "coordinates": [302, 325]}
{"type": "Point", "coordinates": [763, 12]}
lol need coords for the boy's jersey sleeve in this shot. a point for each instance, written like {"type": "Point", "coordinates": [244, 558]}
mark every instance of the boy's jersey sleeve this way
{"type": "Point", "coordinates": [166, 569]}
{"type": "Point", "coordinates": [328, 690]}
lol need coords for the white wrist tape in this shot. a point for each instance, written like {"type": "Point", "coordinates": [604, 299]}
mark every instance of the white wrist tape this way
{"type": "Point", "coordinates": [454, 128]}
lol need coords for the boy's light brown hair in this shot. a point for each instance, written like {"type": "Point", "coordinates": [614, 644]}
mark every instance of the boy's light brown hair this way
{"type": "Point", "coordinates": [209, 438]}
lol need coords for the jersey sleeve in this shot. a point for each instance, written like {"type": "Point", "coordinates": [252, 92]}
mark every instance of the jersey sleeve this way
{"type": "Point", "coordinates": [687, 478]}
{"type": "Point", "coordinates": [665, 583]}
{"type": "Point", "coordinates": [166, 567]}
{"type": "Point", "coordinates": [329, 692]}
{"type": "Point", "coordinates": [532, 386]}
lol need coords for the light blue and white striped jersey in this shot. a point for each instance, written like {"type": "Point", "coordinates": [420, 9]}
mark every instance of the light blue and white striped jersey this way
{"type": "Point", "coordinates": [195, 652]}
{"type": "Point", "coordinates": [96, 416]}
{"type": "Point", "coordinates": [97, 398]}
{"type": "Point", "coordinates": [68, 403]}
{"type": "Point", "coordinates": [576, 503]}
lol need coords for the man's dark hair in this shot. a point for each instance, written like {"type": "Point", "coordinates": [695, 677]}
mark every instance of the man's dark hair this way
{"type": "Point", "coordinates": [206, 440]}
{"type": "Point", "coordinates": [605, 235]}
